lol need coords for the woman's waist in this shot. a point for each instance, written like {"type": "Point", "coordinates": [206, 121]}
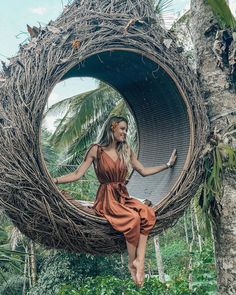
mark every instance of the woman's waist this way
{"type": "Point", "coordinates": [117, 188]}
{"type": "Point", "coordinates": [123, 182]}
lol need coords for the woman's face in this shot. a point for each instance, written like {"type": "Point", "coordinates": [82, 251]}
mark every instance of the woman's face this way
{"type": "Point", "coordinates": [120, 131]}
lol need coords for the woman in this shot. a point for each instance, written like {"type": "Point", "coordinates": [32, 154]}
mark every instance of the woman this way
{"type": "Point", "coordinates": [112, 157]}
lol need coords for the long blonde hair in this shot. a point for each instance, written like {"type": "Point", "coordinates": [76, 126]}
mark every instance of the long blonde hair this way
{"type": "Point", "coordinates": [106, 137]}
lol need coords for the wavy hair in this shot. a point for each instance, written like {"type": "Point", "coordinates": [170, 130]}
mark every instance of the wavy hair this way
{"type": "Point", "coordinates": [106, 137]}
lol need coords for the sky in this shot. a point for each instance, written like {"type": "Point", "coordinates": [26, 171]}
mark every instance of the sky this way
{"type": "Point", "coordinates": [15, 14]}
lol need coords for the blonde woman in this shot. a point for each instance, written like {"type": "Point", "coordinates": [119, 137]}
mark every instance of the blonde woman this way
{"type": "Point", "coordinates": [111, 157]}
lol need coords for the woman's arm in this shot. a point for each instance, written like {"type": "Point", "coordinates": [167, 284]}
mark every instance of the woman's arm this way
{"type": "Point", "coordinates": [145, 171]}
{"type": "Point", "coordinates": [80, 171]}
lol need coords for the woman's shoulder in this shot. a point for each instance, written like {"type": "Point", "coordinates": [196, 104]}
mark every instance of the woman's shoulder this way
{"type": "Point", "coordinates": [93, 147]}
{"type": "Point", "coordinates": [92, 151]}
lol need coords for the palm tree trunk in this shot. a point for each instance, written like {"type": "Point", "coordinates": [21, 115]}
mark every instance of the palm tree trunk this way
{"type": "Point", "coordinates": [29, 271]}
{"type": "Point", "coordinates": [186, 228]}
{"type": "Point", "coordinates": [225, 240]}
{"type": "Point", "coordinates": [198, 229]}
{"type": "Point", "coordinates": [25, 271]}
{"type": "Point", "coordinates": [190, 265]}
{"type": "Point", "coordinates": [160, 266]}
{"type": "Point", "coordinates": [220, 98]}
{"type": "Point", "coordinates": [33, 263]}
{"type": "Point", "coordinates": [122, 260]}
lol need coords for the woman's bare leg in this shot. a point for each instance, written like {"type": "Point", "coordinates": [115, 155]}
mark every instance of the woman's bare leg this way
{"type": "Point", "coordinates": [139, 260]}
{"type": "Point", "coordinates": [132, 255]}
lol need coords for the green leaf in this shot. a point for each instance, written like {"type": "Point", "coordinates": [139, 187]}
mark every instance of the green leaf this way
{"type": "Point", "coordinates": [222, 10]}
{"type": "Point", "coordinates": [162, 6]}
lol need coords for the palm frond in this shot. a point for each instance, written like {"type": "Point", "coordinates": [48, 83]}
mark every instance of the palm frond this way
{"type": "Point", "coordinates": [120, 109]}
{"type": "Point", "coordinates": [162, 6]}
{"type": "Point", "coordinates": [60, 106]}
{"type": "Point", "coordinates": [203, 215]}
{"type": "Point", "coordinates": [83, 110]}
{"type": "Point", "coordinates": [221, 8]}
{"type": "Point", "coordinates": [13, 284]}
{"type": "Point", "coordinates": [49, 152]}
{"type": "Point", "coordinates": [3, 235]}
{"type": "Point", "coordinates": [77, 150]}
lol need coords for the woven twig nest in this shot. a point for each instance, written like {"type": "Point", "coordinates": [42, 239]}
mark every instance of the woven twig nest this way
{"type": "Point", "coordinates": [121, 43]}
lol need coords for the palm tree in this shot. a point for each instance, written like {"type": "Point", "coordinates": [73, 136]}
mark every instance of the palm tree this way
{"type": "Point", "coordinates": [50, 154]}
{"type": "Point", "coordinates": [84, 116]}
{"type": "Point", "coordinates": [213, 33]}
{"type": "Point", "coordinates": [10, 264]}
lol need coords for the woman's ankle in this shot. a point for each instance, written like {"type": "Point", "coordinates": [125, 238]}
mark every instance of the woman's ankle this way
{"type": "Point", "coordinates": [139, 259]}
{"type": "Point", "coordinates": [131, 262]}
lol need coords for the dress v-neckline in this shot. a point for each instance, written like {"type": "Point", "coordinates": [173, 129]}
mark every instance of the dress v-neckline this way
{"type": "Point", "coordinates": [114, 161]}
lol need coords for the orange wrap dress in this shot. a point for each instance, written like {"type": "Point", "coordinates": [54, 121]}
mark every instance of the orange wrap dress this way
{"type": "Point", "coordinates": [124, 213]}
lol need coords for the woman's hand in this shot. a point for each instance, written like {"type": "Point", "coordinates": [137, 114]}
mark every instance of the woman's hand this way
{"type": "Point", "coordinates": [172, 159]}
{"type": "Point", "coordinates": [55, 180]}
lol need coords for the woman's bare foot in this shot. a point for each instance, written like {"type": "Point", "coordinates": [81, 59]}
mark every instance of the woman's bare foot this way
{"type": "Point", "coordinates": [133, 271]}
{"type": "Point", "coordinates": [139, 265]}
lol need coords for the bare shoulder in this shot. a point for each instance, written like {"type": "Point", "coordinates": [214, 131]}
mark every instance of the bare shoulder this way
{"type": "Point", "coordinates": [92, 151]}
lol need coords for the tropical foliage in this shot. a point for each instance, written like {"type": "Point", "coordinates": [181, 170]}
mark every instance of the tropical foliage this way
{"type": "Point", "coordinates": [220, 160]}
{"type": "Point", "coordinates": [12, 278]}
{"type": "Point", "coordinates": [162, 5]}
{"type": "Point", "coordinates": [83, 117]}
{"type": "Point", "coordinates": [68, 273]}
{"type": "Point", "coordinates": [60, 272]}
{"type": "Point", "coordinates": [222, 10]}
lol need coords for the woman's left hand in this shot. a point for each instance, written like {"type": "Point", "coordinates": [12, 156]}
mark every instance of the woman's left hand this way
{"type": "Point", "coordinates": [173, 158]}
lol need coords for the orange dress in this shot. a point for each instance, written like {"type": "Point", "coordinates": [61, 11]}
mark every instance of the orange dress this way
{"type": "Point", "coordinates": [124, 213]}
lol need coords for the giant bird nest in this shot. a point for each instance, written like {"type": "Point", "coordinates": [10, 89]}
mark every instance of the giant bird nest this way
{"type": "Point", "coordinates": [121, 43]}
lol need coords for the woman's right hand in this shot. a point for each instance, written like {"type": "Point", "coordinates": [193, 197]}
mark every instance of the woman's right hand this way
{"type": "Point", "coordinates": [55, 180]}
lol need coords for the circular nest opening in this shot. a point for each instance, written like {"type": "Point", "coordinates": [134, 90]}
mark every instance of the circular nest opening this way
{"type": "Point", "coordinates": [161, 111]}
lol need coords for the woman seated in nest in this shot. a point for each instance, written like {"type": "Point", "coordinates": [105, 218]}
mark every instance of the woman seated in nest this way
{"type": "Point", "coordinates": [112, 157]}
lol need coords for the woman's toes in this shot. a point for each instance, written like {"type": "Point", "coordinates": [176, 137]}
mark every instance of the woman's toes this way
{"type": "Point", "coordinates": [139, 273]}
{"type": "Point", "coordinates": [132, 270]}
